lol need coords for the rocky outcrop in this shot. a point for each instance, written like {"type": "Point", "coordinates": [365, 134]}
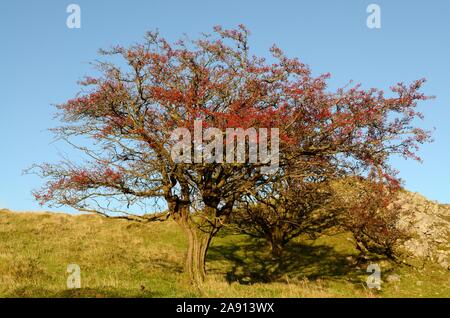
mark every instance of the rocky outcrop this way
{"type": "Point", "coordinates": [428, 225]}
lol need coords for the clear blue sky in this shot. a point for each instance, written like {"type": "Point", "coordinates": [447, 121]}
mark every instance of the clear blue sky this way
{"type": "Point", "coordinates": [41, 60]}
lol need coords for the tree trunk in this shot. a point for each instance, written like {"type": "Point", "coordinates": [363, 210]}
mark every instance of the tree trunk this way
{"type": "Point", "coordinates": [198, 244]}
{"type": "Point", "coordinates": [276, 249]}
{"type": "Point", "coordinates": [276, 243]}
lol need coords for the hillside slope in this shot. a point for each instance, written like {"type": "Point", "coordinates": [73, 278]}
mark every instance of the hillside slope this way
{"type": "Point", "coordinates": [120, 258]}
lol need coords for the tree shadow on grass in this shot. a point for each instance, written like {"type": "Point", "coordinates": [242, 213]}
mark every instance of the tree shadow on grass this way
{"type": "Point", "coordinates": [252, 263]}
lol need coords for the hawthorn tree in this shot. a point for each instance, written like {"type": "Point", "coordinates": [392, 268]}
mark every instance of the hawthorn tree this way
{"type": "Point", "coordinates": [369, 210]}
{"type": "Point", "coordinates": [146, 91]}
{"type": "Point", "coordinates": [288, 206]}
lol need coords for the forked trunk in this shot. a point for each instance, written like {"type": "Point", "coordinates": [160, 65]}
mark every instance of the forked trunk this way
{"type": "Point", "coordinates": [198, 244]}
{"type": "Point", "coordinates": [277, 243]}
{"type": "Point", "coordinates": [276, 249]}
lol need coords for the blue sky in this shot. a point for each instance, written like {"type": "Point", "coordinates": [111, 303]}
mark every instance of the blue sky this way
{"type": "Point", "coordinates": [41, 60]}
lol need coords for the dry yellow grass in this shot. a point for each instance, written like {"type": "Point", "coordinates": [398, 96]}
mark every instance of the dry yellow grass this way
{"type": "Point", "coordinates": [119, 258]}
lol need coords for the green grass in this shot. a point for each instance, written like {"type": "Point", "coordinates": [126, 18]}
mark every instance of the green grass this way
{"type": "Point", "coordinates": [120, 258]}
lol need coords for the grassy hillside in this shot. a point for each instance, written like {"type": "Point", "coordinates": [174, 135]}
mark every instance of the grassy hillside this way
{"type": "Point", "coordinates": [120, 258]}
